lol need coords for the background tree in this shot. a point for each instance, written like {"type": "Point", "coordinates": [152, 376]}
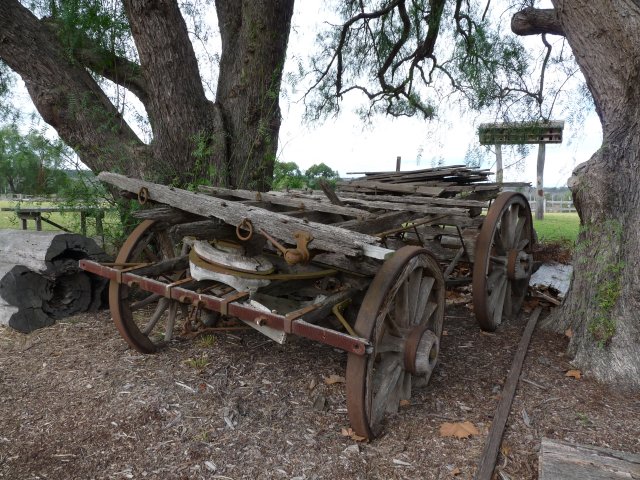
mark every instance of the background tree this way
{"type": "Point", "coordinates": [66, 50]}
{"type": "Point", "coordinates": [287, 175]}
{"type": "Point", "coordinates": [30, 164]}
{"type": "Point", "coordinates": [318, 171]}
{"type": "Point", "coordinates": [393, 53]}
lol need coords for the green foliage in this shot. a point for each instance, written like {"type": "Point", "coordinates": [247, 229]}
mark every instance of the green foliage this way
{"type": "Point", "coordinates": [84, 23]}
{"type": "Point", "coordinates": [30, 164]}
{"type": "Point", "coordinates": [288, 175]}
{"type": "Point", "coordinates": [198, 363]}
{"type": "Point", "coordinates": [320, 171]}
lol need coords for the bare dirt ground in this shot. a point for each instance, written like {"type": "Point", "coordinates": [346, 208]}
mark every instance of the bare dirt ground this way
{"type": "Point", "coordinates": [76, 403]}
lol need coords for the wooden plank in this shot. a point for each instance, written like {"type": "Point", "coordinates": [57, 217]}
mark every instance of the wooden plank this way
{"type": "Point", "coordinates": [584, 462]}
{"type": "Point", "coordinates": [379, 223]}
{"type": "Point", "coordinates": [492, 445]}
{"type": "Point", "coordinates": [299, 203]}
{"type": "Point", "coordinates": [412, 207]}
{"type": "Point", "coordinates": [403, 188]}
{"type": "Point", "coordinates": [282, 227]}
{"type": "Point", "coordinates": [448, 202]}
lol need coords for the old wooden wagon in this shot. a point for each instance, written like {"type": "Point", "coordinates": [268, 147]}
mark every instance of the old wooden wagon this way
{"type": "Point", "coordinates": [363, 270]}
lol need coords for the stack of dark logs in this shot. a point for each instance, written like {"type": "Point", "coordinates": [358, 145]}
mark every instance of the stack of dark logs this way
{"type": "Point", "coordinates": [40, 280]}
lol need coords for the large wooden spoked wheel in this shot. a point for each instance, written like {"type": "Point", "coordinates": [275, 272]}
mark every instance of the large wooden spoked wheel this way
{"type": "Point", "coordinates": [146, 321]}
{"type": "Point", "coordinates": [401, 316]}
{"type": "Point", "coordinates": [503, 260]}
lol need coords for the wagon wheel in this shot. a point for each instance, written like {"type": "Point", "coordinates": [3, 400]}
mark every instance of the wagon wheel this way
{"type": "Point", "coordinates": [503, 260]}
{"type": "Point", "coordinates": [144, 320]}
{"type": "Point", "coordinates": [401, 316]}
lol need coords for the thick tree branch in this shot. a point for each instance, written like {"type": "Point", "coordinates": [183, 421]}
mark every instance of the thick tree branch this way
{"type": "Point", "coordinates": [174, 86]}
{"type": "Point", "coordinates": [119, 70]}
{"type": "Point", "coordinates": [534, 21]}
{"type": "Point", "coordinates": [66, 96]}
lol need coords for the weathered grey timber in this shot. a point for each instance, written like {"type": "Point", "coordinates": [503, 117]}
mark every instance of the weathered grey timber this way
{"type": "Point", "coordinates": [49, 253]}
{"type": "Point", "coordinates": [282, 227]}
{"type": "Point", "coordinates": [585, 462]}
{"type": "Point", "coordinates": [300, 203]}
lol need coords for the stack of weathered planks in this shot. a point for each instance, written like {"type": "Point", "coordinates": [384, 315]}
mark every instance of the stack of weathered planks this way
{"type": "Point", "coordinates": [445, 182]}
{"type": "Point", "coordinates": [40, 280]}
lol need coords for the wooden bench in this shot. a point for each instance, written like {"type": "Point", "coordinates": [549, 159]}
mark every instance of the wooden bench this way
{"type": "Point", "coordinates": [36, 214]}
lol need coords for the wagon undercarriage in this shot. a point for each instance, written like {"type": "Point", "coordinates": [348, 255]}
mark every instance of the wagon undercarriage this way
{"type": "Point", "coordinates": [363, 271]}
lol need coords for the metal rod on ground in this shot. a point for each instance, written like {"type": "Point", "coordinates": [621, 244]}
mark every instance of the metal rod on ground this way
{"type": "Point", "coordinates": [398, 161]}
{"type": "Point", "coordinates": [492, 446]}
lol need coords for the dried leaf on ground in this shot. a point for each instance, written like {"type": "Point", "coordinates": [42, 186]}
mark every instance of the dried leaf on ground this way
{"type": "Point", "coordinates": [348, 432]}
{"type": "Point", "coordinates": [456, 471]}
{"type": "Point", "coordinates": [573, 373]}
{"type": "Point", "coordinates": [404, 403]}
{"type": "Point", "coordinates": [458, 429]}
{"type": "Point", "coordinates": [331, 379]}
{"type": "Point", "coordinates": [568, 333]}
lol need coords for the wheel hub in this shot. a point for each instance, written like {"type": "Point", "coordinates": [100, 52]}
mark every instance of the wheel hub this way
{"type": "Point", "coordinates": [519, 264]}
{"type": "Point", "coordinates": [421, 351]}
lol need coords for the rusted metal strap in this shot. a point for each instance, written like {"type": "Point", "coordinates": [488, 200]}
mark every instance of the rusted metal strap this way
{"type": "Point", "coordinates": [119, 272]}
{"type": "Point", "coordinates": [224, 303]}
{"type": "Point", "coordinates": [291, 317]}
{"type": "Point", "coordinates": [177, 283]}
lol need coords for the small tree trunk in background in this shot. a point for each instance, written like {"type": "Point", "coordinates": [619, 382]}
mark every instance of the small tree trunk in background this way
{"type": "Point", "coordinates": [499, 171]}
{"type": "Point", "coordinates": [540, 182]}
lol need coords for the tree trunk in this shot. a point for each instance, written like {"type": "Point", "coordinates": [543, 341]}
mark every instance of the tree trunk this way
{"type": "Point", "coordinates": [601, 308]}
{"type": "Point", "coordinates": [254, 42]}
{"type": "Point", "coordinates": [540, 182]}
{"type": "Point", "coordinates": [230, 142]}
{"type": "Point", "coordinates": [40, 280]}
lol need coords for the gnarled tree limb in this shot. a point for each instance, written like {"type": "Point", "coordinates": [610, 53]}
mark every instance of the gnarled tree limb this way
{"type": "Point", "coordinates": [534, 21]}
{"type": "Point", "coordinates": [66, 95]}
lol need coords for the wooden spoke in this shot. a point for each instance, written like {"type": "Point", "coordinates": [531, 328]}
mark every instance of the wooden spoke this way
{"type": "Point", "coordinates": [432, 308]}
{"type": "Point", "coordinates": [391, 343]}
{"type": "Point", "coordinates": [389, 379]}
{"type": "Point", "coordinates": [173, 310]}
{"type": "Point", "coordinates": [496, 299]}
{"type": "Point", "coordinates": [405, 297]}
{"type": "Point", "coordinates": [135, 312]}
{"type": "Point", "coordinates": [151, 298]}
{"type": "Point", "coordinates": [160, 309]}
{"type": "Point", "coordinates": [508, 225]}
{"type": "Point", "coordinates": [494, 277]}
{"type": "Point", "coordinates": [414, 290]}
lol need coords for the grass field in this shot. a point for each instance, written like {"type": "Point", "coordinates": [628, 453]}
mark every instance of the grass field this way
{"type": "Point", "coordinates": [69, 220]}
{"type": "Point", "coordinates": [558, 227]}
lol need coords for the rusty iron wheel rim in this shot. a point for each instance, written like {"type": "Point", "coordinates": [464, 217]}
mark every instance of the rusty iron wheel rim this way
{"type": "Point", "coordinates": [496, 293]}
{"type": "Point", "coordinates": [410, 269]}
{"type": "Point", "coordinates": [139, 240]}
